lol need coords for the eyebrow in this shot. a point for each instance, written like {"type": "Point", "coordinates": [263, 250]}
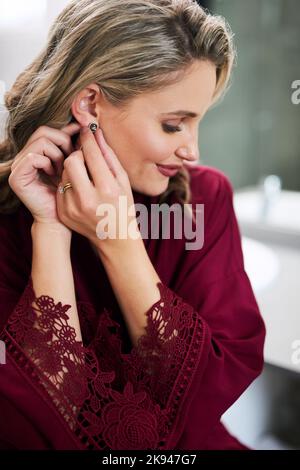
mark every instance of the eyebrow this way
{"type": "Point", "coordinates": [181, 112]}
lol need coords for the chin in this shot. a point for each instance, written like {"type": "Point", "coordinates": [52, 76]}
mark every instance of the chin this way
{"type": "Point", "coordinates": [151, 188]}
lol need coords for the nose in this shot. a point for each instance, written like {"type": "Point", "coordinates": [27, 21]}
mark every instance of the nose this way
{"type": "Point", "coordinates": [189, 154]}
{"type": "Point", "coordinates": [189, 150]}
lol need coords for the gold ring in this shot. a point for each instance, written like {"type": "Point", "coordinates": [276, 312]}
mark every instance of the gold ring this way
{"type": "Point", "coordinates": [63, 189]}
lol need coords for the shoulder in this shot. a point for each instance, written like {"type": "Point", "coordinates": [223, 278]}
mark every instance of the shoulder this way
{"type": "Point", "coordinates": [222, 238]}
{"type": "Point", "coordinates": [209, 184]}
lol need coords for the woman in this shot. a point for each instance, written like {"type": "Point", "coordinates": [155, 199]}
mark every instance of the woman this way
{"type": "Point", "coordinates": [118, 342]}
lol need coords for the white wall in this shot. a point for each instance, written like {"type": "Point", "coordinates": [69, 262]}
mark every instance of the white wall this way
{"type": "Point", "coordinates": [24, 27]}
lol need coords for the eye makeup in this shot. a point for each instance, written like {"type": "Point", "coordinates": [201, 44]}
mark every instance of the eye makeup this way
{"type": "Point", "coordinates": [171, 129]}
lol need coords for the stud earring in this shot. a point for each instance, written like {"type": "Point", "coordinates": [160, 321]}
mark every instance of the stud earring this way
{"type": "Point", "coordinates": [93, 126]}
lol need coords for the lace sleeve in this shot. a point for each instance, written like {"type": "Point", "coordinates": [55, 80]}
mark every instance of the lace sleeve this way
{"type": "Point", "coordinates": [111, 399]}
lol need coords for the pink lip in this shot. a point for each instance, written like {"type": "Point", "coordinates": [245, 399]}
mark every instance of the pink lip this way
{"type": "Point", "coordinates": [168, 170]}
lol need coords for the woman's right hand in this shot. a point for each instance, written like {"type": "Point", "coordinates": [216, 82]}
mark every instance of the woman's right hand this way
{"type": "Point", "coordinates": [45, 150]}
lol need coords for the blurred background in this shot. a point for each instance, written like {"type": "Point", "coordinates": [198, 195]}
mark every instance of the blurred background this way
{"type": "Point", "coordinates": [253, 136]}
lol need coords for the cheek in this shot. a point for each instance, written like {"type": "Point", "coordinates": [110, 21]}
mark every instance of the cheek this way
{"type": "Point", "coordinates": [153, 148]}
{"type": "Point", "coordinates": [140, 150]}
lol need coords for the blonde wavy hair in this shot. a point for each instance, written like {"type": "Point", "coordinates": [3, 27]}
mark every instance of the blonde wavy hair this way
{"type": "Point", "coordinates": [127, 47]}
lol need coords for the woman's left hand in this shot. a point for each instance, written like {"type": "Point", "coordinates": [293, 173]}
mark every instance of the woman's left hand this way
{"type": "Point", "coordinates": [98, 180]}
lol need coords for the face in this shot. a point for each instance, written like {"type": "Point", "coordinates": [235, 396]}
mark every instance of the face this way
{"type": "Point", "coordinates": [149, 132]}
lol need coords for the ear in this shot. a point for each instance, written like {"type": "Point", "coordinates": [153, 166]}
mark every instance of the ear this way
{"type": "Point", "coordinates": [86, 105]}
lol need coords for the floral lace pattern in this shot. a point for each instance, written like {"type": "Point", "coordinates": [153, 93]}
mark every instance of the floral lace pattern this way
{"type": "Point", "coordinates": [110, 399]}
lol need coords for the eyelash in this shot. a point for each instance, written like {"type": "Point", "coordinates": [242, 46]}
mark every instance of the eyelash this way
{"type": "Point", "coordinates": [171, 129]}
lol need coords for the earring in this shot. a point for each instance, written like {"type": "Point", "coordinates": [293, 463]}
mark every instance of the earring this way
{"type": "Point", "coordinates": [93, 126]}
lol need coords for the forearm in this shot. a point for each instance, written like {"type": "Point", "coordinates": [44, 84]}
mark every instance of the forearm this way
{"type": "Point", "coordinates": [134, 281]}
{"type": "Point", "coordinates": [52, 273]}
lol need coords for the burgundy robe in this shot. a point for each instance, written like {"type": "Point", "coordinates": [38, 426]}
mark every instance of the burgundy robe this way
{"type": "Point", "coordinates": [169, 391]}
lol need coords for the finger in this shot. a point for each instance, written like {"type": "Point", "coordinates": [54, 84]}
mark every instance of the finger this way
{"type": "Point", "coordinates": [112, 160]}
{"type": "Point", "coordinates": [49, 149]}
{"type": "Point", "coordinates": [60, 137]}
{"type": "Point", "coordinates": [96, 163]}
{"type": "Point", "coordinates": [28, 169]}
{"type": "Point", "coordinates": [74, 168]}
{"type": "Point", "coordinates": [72, 128]}
{"type": "Point", "coordinates": [41, 162]}
{"type": "Point", "coordinates": [64, 201]}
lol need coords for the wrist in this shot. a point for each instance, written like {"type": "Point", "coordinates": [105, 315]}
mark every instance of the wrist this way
{"type": "Point", "coordinates": [51, 229]}
{"type": "Point", "coordinates": [114, 250]}
{"type": "Point", "coordinates": [116, 241]}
